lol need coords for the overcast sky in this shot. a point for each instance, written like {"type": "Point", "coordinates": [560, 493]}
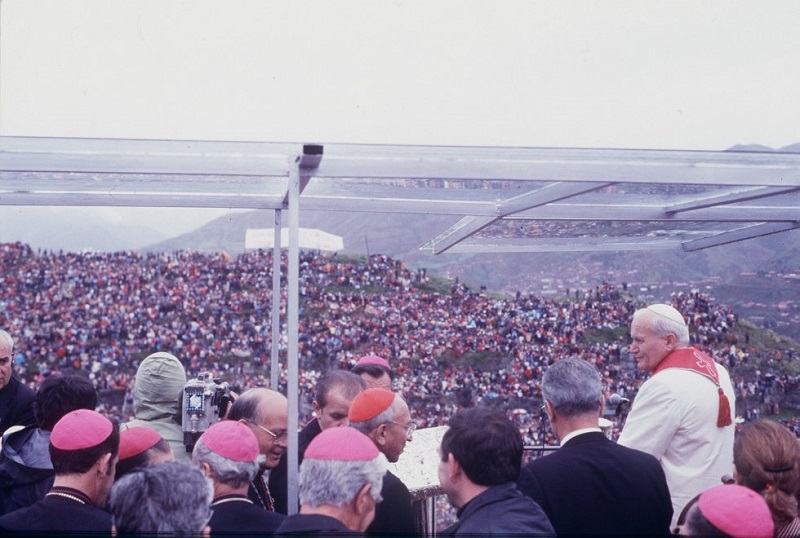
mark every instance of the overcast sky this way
{"type": "Point", "coordinates": [615, 74]}
{"type": "Point", "coordinates": [637, 74]}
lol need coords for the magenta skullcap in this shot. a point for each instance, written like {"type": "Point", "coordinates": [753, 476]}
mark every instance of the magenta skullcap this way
{"type": "Point", "coordinates": [342, 444]}
{"type": "Point", "coordinates": [80, 429]}
{"type": "Point", "coordinates": [737, 511]}
{"type": "Point", "coordinates": [370, 403]}
{"type": "Point", "coordinates": [374, 359]}
{"type": "Point", "coordinates": [134, 441]}
{"type": "Point", "coordinates": [232, 440]}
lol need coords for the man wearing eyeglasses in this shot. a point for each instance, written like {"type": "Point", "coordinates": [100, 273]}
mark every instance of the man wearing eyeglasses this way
{"type": "Point", "coordinates": [266, 412]}
{"type": "Point", "coordinates": [384, 417]}
{"type": "Point", "coordinates": [16, 400]}
{"type": "Point", "coordinates": [334, 393]}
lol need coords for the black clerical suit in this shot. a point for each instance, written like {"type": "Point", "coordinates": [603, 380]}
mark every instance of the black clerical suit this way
{"type": "Point", "coordinates": [16, 405]}
{"type": "Point", "coordinates": [313, 525]}
{"type": "Point", "coordinates": [62, 511]}
{"type": "Point", "coordinates": [394, 515]}
{"type": "Point", "coordinates": [236, 514]}
{"type": "Point", "coordinates": [592, 485]}
{"type": "Point", "coordinates": [278, 477]}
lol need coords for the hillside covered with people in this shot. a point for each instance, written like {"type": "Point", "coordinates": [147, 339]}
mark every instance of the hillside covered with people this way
{"type": "Point", "coordinates": [451, 346]}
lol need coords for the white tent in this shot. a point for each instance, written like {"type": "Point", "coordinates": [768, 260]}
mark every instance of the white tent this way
{"type": "Point", "coordinates": [310, 238]}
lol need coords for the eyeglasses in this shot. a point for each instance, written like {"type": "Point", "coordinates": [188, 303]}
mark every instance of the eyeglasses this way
{"type": "Point", "coordinates": [276, 437]}
{"type": "Point", "coordinates": [410, 427]}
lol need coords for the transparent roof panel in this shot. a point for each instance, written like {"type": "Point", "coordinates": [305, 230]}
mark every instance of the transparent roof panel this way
{"type": "Point", "coordinates": [498, 196]}
{"type": "Point", "coordinates": [554, 228]}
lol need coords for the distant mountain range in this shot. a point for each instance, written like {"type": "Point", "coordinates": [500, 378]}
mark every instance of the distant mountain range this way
{"type": "Point", "coordinates": [792, 148]}
{"type": "Point", "coordinates": [725, 268]}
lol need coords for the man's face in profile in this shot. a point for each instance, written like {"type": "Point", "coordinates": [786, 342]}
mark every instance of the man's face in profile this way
{"type": "Point", "coordinates": [5, 363]}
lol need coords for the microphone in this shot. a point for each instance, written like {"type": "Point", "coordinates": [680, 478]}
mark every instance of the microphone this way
{"type": "Point", "coordinates": [616, 399]}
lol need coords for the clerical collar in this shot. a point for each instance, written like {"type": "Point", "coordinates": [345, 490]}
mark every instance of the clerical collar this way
{"type": "Point", "coordinates": [231, 497]}
{"type": "Point", "coordinates": [71, 494]}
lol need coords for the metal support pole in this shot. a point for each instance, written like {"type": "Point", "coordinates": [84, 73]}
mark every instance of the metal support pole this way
{"type": "Point", "coordinates": [275, 362]}
{"type": "Point", "coordinates": [292, 322]}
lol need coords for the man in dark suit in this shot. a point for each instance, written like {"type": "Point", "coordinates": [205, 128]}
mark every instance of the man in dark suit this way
{"type": "Point", "coordinates": [339, 485]}
{"type": "Point", "coordinates": [334, 393]}
{"type": "Point", "coordinates": [84, 447]}
{"type": "Point", "coordinates": [384, 417]}
{"type": "Point", "coordinates": [228, 454]}
{"type": "Point", "coordinates": [16, 400]}
{"type": "Point", "coordinates": [592, 485]}
{"type": "Point", "coordinates": [481, 454]}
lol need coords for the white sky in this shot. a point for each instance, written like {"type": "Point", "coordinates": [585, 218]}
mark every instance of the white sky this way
{"type": "Point", "coordinates": [637, 74]}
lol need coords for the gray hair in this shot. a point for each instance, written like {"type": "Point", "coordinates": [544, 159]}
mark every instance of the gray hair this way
{"type": "Point", "coordinates": [167, 499]}
{"type": "Point", "coordinates": [336, 483]}
{"type": "Point", "coordinates": [5, 337]}
{"type": "Point", "coordinates": [662, 325]}
{"type": "Point", "coordinates": [226, 471]}
{"type": "Point", "coordinates": [572, 386]}
{"type": "Point", "coordinates": [368, 426]}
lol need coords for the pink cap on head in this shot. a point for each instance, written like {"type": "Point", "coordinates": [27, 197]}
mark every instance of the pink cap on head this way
{"type": "Point", "coordinates": [231, 439]}
{"type": "Point", "coordinates": [370, 403]}
{"type": "Point", "coordinates": [80, 429]}
{"type": "Point", "coordinates": [737, 511]}
{"type": "Point", "coordinates": [134, 441]}
{"type": "Point", "coordinates": [342, 444]}
{"type": "Point", "coordinates": [374, 359]}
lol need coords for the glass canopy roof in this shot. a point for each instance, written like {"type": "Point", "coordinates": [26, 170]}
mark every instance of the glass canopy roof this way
{"type": "Point", "coordinates": [509, 199]}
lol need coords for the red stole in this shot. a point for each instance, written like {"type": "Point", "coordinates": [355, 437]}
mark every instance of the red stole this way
{"type": "Point", "coordinates": [689, 358]}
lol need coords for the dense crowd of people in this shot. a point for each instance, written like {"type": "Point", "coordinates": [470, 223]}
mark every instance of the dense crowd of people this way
{"type": "Point", "coordinates": [102, 313]}
{"type": "Point", "coordinates": [382, 354]}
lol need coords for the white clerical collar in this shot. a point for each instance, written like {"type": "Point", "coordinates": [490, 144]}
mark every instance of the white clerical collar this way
{"type": "Point", "coordinates": [576, 433]}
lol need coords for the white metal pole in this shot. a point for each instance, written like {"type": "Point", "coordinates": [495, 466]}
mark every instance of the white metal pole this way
{"type": "Point", "coordinates": [275, 362]}
{"type": "Point", "coordinates": [292, 382]}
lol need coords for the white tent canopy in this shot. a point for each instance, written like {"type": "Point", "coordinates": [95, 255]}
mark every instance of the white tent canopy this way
{"type": "Point", "coordinates": [310, 238]}
{"type": "Point", "coordinates": [509, 199]}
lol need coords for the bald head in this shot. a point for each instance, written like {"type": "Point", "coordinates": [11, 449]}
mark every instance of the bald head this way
{"type": "Point", "coordinates": [267, 413]}
{"type": "Point", "coordinates": [6, 350]}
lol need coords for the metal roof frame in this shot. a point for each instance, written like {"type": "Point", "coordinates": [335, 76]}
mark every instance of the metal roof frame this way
{"type": "Point", "coordinates": [488, 187]}
{"type": "Point", "coordinates": [757, 193]}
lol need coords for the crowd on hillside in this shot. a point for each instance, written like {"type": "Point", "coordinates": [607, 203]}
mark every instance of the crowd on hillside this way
{"type": "Point", "coordinates": [103, 312]}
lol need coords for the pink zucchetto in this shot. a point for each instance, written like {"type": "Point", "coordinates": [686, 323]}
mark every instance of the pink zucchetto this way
{"type": "Point", "coordinates": [370, 403]}
{"type": "Point", "coordinates": [341, 444]}
{"type": "Point", "coordinates": [374, 359]}
{"type": "Point", "coordinates": [134, 441]}
{"type": "Point", "coordinates": [737, 511]}
{"type": "Point", "coordinates": [232, 440]}
{"type": "Point", "coordinates": [80, 429]}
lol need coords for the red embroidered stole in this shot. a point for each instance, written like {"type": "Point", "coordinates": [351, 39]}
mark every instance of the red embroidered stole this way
{"type": "Point", "coordinates": [689, 358]}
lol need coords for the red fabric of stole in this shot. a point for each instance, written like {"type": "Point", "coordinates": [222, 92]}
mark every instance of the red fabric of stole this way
{"type": "Point", "coordinates": [689, 358]}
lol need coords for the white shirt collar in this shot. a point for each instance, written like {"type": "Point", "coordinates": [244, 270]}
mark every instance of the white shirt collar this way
{"type": "Point", "coordinates": [576, 433]}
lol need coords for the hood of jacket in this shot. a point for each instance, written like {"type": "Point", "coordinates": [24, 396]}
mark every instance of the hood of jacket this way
{"type": "Point", "coordinates": [159, 382]}
{"type": "Point", "coordinates": [25, 457]}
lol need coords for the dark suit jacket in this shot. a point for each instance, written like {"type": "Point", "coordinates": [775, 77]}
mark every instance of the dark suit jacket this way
{"type": "Point", "coordinates": [394, 515]}
{"type": "Point", "coordinates": [279, 476]}
{"type": "Point", "coordinates": [16, 405]}
{"type": "Point", "coordinates": [594, 486]}
{"type": "Point", "coordinates": [236, 514]}
{"type": "Point", "coordinates": [56, 516]}
{"type": "Point", "coordinates": [313, 525]}
{"type": "Point", "coordinates": [503, 511]}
